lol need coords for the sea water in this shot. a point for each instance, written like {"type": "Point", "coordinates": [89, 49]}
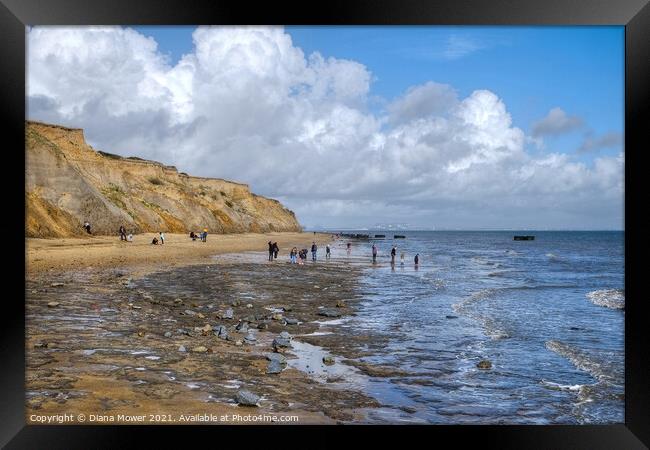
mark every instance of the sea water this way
{"type": "Point", "coordinates": [548, 314]}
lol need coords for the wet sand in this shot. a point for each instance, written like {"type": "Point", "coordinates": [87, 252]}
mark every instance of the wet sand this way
{"type": "Point", "coordinates": [111, 343]}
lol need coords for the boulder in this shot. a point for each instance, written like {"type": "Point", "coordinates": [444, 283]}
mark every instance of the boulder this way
{"type": "Point", "coordinates": [328, 360]}
{"type": "Point", "coordinates": [247, 398]}
{"type": "Point", "coordinates": [274, 367]}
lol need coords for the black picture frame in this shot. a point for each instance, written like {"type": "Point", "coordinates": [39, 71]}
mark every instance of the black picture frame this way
{"type": "Point", "coordinates": [633, 14]}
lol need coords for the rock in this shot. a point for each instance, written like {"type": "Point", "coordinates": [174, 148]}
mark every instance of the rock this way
{"type": "Point", "coordinates": [276, 357]}
{"type": "Point", "coordinates": [200, 316]}
{"type": "Point", "coordinates": [247, 398]}
{"type": "Point", "coordinates": [250, 338]}
{"type": "Point", "coordinates": [484, 364]}
{"type": "Point", "coordinates": [57, 284]}
{"type": "Point", "coordinates": [168, 334]}
{"type": "Point", "coordinates": [280, 343]}
{"type": "Point", "coordinates": [141, 333]}
{"type": "Point", "coordinates": [178, 301]}
{"type": "Point", "coordinates": [199, 349]}
{"type": "Point", "coordinates": [207, 328]}
{"type": "Point", "coordinates": [239, 342]}
{"type": "Point", "coordinates": [222, 332]}
{"type": "Point", "coordinates": [242, 327]}
{"type": "Point", "coordinates": [40, 345]}
{"type": "Point", "coordinates": [182, 349]}
{"type": "Point", "coordinates": [328, 360]}
{"type": "Point", "coordinates": [248, 305]}
{"type": "Point", "coordinates": [329, 313]}
{"type": "Point", "coordinates": [276, 316]}
{"type": "Point", "coordinates": [291, 321]}
{"type": "Point", "coordinates": [135, 307]}
{"type": "Point", "coordinates": [235, 303]}
{"type": "Point", "coordinates": [287, 308]}
{"type": "Point", "coordinates": [263, 326]}
{"type": "Point", "coordinates": [227, 314]}
{"type": "Point", "coordinates": [285, 335]}
{"type": "Point", "coordinates": [340, 304]}
{"type": "Point", "coordinates": [53, 304]}
{"type": "Point", "coordinates": [274, 367]}
{"type": "Point", "coordinates": [189, 312]}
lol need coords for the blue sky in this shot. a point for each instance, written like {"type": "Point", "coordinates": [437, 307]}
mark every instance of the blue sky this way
{"type": "Point", "coordinates": [533, 69]}
{"type": "Point", "coordinates": [456, 127]}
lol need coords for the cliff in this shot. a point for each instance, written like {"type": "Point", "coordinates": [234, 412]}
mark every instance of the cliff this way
{"type": "Point", "coordinates": [68, 182]}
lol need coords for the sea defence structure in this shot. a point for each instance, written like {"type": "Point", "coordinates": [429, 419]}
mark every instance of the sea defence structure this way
{"type": "Point", "coordinates": [68, 182]}
{"type": "Point", "coordinates": [524, 238]}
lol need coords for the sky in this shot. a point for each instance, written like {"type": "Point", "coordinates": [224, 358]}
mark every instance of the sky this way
{"type": "Point", "coordinates": [430, 127]}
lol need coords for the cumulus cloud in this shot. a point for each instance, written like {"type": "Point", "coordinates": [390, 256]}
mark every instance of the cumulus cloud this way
{"type": "Point", "coordinates": [247, 104]}
{"type": "Point", "coordinates": [556, 122]}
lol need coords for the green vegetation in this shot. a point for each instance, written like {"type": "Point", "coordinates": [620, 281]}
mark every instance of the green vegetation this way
{"type": "Point", "coordinates": [109, 155]}
{"type": "Point", "coordinates": [114, 193]}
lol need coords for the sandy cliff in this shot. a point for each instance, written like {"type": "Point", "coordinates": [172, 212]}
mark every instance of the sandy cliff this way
{"type": "Point", "coordinates": [68, 182]}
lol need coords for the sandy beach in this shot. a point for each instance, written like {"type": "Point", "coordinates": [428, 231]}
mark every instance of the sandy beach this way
{"type": "Point", "coordinates": [142, 257]}
{"type": "Point", "coordinates": [120, 329]}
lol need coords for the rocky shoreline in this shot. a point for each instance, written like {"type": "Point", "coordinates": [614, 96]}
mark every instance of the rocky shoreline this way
{"type": "Point", "coordinates": [221, 338]}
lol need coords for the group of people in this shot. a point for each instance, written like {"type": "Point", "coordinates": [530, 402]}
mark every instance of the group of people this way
{"type": "Point", "coordinates": [203, 235]}
{"type": "Point", "coordinates": [393, 254]}
{"type": "Point", "coordinates": [273, 250]}
{"type": "Point", "coordinates": [300, 256]}
{"type": "Point", "coordinates": [156, 241]}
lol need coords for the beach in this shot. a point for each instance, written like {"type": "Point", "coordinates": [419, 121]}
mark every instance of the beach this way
{"type": "Point", "coordinates": [109, 336]}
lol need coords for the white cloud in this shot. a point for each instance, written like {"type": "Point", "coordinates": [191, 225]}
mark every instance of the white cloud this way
{"type": "Point", "coordinates": [248, 105]}
{"type": "Point", "coordinates": [556, 122]}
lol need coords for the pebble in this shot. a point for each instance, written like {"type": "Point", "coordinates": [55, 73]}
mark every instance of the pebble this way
{"type": "Point", "coordinates": [328, 360]}
{"type": "Point", "coordinates": [199, 349]}
{"type": "Point", "coordinates": [291, 321]}
{"type": "Point", "coordinates": [168, 334]}
{"type": "Point", "coordinates": [248, 305]}
{"type": "Point", "coordinates": [178, 301]}
{"type": "Point", "coordinates": [235, 303]}
{"type": "Point", "coordinates": [222, 332]}
{"type": "Point", "coordinates": [276, 316]}
{"type": "Point", "coordinates": [189, 312]}
{"type": "Point", "coordinates": [329, 313]}
{"type": "Point", "coordinates": [279, 343]}
{"type": "Point", "coordinates": [57, 284]}
{"type": "Point", "coordinates": [340, 304]}
{"type": "Point", "coordinates": [53, 304]}
{"type": "Point", "coordinates": [182, 349]}
{"type": "Point", "coordinates": [285, 335]}
{"type": "Point", "coordinates": [228, 314]}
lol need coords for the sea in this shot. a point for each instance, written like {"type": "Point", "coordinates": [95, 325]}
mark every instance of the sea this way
{"type": "Point", "coordinates": [546, 315]}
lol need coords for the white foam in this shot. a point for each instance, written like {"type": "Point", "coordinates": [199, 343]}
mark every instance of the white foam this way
{"type": "Point", "coordinates": [609, 298]}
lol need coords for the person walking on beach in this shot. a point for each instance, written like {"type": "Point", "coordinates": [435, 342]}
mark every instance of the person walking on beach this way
{"type": "Point", "coordinates": [374, 253]}
{"type": "Point", "coordinates": [293, 255]}
{"type": "Point", "coordinates": [162, 238]}
{"type": "Point", "coordinates": [314, 249]}
{"type": "Point", "coordinates": [270, 251]}
{"type": "Point", "coordinates": [349, 248]}
{"type": "Point", "coordinates": [122, 233]}
{"type": "Point", "coordinates": [327, 252]}
{"type": "Point", "coordinates": [205, 235]}
{"type": "Point", "coordinates": [393, 252]}
{"type": "Point", "coordinates": [276, 250]}
{"type": "Point", "coordinates": [87, 227]}
{"type": "Point", "coordinates": [417, 259]}
{"type": "Point", "coordinates": [402, 258]}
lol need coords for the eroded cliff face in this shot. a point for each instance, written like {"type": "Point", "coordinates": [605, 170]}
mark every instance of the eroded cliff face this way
{"type": "Point", "coordinates": [68, 182]}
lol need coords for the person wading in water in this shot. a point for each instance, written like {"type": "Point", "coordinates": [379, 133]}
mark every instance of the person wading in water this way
{"type": "Point", "coordinates": [270, 251]}
{"type": "Point", "coordinates": [374, 253]}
